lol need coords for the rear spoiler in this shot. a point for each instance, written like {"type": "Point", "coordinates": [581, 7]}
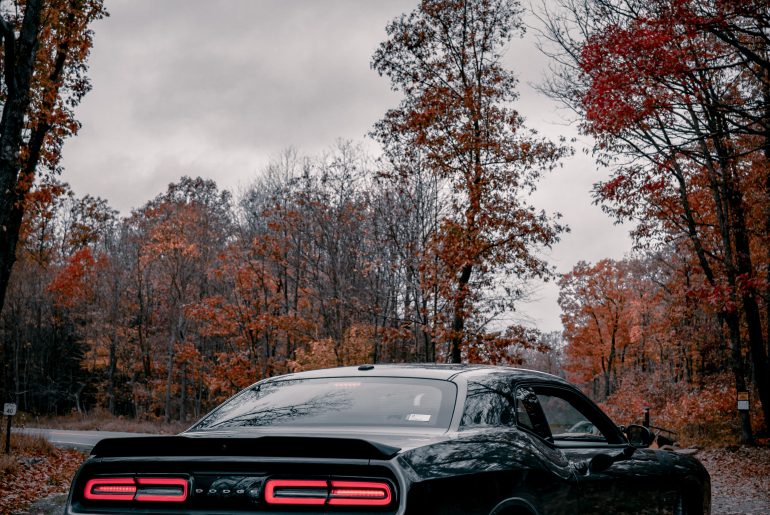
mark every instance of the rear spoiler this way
{"type": "Point", "coordinates": [268, 446]}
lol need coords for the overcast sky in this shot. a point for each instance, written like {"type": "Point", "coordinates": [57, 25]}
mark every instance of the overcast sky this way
{"type": "Point", "coordinates": [216, 89]}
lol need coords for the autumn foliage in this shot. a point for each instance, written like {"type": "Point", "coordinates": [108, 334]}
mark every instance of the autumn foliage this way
{"type": "Point", "coordinates": [342, 258]}
{"type": "Point", "coordinates": [44, 60]}
{"type": "Point", "coordinates": [677, 94]}
{"type": "Point", "coordinates": [165, 312]}
{"type": "Point", "coordinates": [640, 337]}
{"type": "Point", "coordinates": [455, 123]}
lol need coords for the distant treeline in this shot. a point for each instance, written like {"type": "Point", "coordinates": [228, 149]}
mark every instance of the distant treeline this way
{"type": "Point", "coordinates": [170, 309]}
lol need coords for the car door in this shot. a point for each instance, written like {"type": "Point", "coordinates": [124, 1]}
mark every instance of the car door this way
{"type": "Point", "coordinates": [529, 468]}
{"type": "Point", "coordinates": [573, 424]}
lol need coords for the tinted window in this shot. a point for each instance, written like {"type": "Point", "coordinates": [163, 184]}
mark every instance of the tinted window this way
{"type": "Point", "coordinates": [370, 401]}
{"type": "Point", "coordinates": [567, 421]}
{"type": "Point", "coordinates": [487, 405]}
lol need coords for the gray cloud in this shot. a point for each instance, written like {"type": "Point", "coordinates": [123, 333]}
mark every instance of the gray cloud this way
{"type": "Point", "coordinates": [216, 88]}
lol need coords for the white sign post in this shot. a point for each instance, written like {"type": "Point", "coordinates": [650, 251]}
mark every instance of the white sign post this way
{"type": "Point", "coordinates": [9, 410]}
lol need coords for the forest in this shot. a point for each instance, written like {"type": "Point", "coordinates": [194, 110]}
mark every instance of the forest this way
{"type": "Point", "coordinates": [415, 254]}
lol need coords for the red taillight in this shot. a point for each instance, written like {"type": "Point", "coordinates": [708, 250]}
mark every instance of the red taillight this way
{"type": "Point", "coordinates": [318, 492]}
{"type": "Point", "coordinates": [146, 489]}
{"type": "Point", "coordinates": [359, 493]}
{"type": "Point", "coordinates": [110, 489]}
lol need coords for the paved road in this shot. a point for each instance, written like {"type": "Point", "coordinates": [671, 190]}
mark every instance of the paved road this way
{"type": "Point", "coordinates": [81, 440]}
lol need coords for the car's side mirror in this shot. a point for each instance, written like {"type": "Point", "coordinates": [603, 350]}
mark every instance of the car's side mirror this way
{"type": "Point", "coordinates": [602, 462]}
{"type": "Point", "coordinates": [639, 436]}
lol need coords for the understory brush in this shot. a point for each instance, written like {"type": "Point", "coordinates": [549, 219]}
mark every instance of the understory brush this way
{"type": "Point", "coordinates": [700, 414]}
{"type": "Point", "coordinates": [102, 420]}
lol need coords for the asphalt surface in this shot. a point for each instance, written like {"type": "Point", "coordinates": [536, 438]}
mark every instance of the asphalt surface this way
{"type": "Point", "coordinates": [80, 440]}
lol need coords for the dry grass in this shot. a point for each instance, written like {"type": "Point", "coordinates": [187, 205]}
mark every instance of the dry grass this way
{"type": "Point", "coordinates": [33, 445]}
{"type": "Point", "coordinates": [102, 421]}
{"type": "Point", "coordinates": [24, 444]}
{"type": "Point", "coordinates": [8, 464]}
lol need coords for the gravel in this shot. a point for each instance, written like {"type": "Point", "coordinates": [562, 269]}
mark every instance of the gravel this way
{"type": "Point", "coordinates": [51, 505]}
{"type": "Point", "coordinates": [740, 479]}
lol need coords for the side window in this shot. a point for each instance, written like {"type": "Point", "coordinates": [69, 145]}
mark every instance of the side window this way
{"type": "Point", "coordinates": [567, 418]}
{"type": "Point", "coordinates": [530, 415]}
{"type": "Point", "coordinates": [487, 405]}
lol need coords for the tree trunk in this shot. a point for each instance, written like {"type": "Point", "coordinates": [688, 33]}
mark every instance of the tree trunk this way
{"type": "Point", "coordinates": [766, 151]}
{"type": "Point", "coordinates": [745, 269]}
{"type": "Point", "coordinates": [733, 324]}
{"type": "Point", "coordinates": [183, 395]}
{"type": "Point", "coordinates": [169, 378]}
{"type": "Point", "coordinates": [458, 320]}
{"type": "Point", "coordinates": [19, 63]}
{"type": "Point", "coordinates": [735, 245]}
{"type": "Point", "coordinates": [113, 364]}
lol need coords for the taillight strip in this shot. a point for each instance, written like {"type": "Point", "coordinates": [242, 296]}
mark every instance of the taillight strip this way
{"type": "Point", "coordinates": [110, 489]}
{"type": "Point", "coordinates": [320, 492]}
{"type": "Point", "coordinates": [359, 493]}
{"type": "Point", "coordinates": [142, 489]}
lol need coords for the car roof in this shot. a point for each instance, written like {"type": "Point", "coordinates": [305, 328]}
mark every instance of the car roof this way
{"type": "Point", "coordinates": [446, 372]}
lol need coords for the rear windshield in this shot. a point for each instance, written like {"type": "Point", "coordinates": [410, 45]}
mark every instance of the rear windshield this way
{"type": "Point", "coordinates": [370, 401]}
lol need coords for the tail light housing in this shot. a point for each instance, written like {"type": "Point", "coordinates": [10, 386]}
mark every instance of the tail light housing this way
{"type": "Point", "coordinates": [138, 489]}
{"type": "Point", "coordinates": [322, 492]}
{"type": "Point", "coordinates": [110, 489]}
{"type": "Point", "coordinates": [360, 493]}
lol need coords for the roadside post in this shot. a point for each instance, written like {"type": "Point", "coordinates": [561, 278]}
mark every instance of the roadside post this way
{"type": "Point", "coordinates": [9, 410]}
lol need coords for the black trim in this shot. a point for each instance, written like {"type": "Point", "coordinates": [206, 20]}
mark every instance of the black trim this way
{"type": "Point", "coordinates": [277, 446]}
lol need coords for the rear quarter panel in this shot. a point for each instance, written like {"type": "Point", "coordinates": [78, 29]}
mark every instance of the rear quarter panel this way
{"type": "Point", "coordinates": [481, 469]}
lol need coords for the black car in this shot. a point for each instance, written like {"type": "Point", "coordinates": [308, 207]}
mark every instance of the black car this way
{"type": "Point", "coordinates": [395, 439]}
